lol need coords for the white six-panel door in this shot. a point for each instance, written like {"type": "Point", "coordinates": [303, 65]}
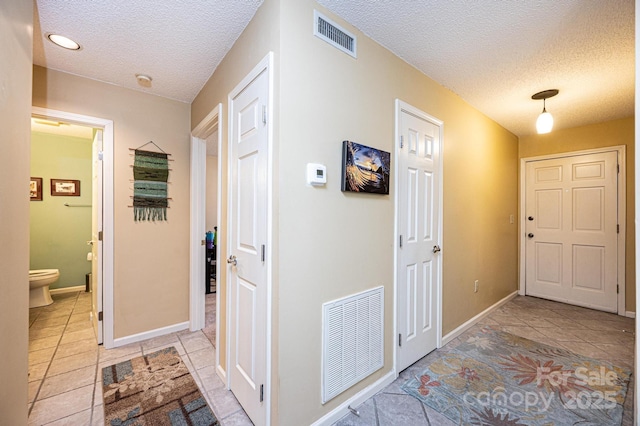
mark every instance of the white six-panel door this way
{"type": "Point", "coordinates": [571, 229]}
{"type": "Point", "coordinates": [248, 161]}
{"type": "Point", "coordinates": [418, 225]}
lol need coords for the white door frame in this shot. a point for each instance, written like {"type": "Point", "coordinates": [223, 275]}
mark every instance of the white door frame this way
{"type": "Point", "coordinates": [200, 133]}
{"type": "Point", "coordinates": [107, 218]}
{"type": "Point", "coordinates": [399, 107]}
{"type": "Point", "coordinates": [265, 65]}
{"type": "Point", "coordinates": [622, 214]}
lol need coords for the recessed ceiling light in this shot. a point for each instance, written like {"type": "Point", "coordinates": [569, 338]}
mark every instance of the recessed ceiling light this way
{"type": "Point", "coordinates": [63, 41]}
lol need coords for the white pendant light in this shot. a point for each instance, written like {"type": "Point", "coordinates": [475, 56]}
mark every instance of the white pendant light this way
{"type": "Point", "coordinates": [544, 124]}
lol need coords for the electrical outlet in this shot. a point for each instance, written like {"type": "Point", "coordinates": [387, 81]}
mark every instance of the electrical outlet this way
{"type": "Point", "coordinates": [475, 286]}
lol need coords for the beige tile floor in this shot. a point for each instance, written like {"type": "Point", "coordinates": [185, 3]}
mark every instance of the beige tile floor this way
{"type": "Point", "coordinates": [586, 332]}
{"type": "Point", "coordinates": [65, 364]}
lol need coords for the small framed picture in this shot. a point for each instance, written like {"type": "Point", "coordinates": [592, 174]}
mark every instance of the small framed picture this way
{"type": "Point", "coordinates": [365, 169]}
{"type": "Point", "coordinates": [65, 187]}
{"type": "Point", "coordinates": [35, 188]}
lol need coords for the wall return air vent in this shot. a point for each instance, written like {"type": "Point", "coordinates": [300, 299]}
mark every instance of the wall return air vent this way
{"type": "Point", "coordinates": [333, 34]}
{"type": "Point", "coordinates": [352, 340]}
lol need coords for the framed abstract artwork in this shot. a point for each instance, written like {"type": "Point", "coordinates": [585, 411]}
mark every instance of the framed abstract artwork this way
{"type": "Point", "coordinates": [365, 169]}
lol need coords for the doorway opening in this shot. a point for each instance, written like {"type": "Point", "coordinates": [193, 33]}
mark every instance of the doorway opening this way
{"type": "Point", "coordinates": [247, 355]}
{"type": "Point", "coordinates": [100, 244]}
{"type": "Point", "coordinates": [205, 277]}
{"type": "Point", "coordinates": [60, 227]}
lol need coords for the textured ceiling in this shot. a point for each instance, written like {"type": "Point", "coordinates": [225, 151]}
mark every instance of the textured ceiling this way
{"type": "Point", "coordinates": [494, 54]}
{"type": "Point", "coordinates": [179, 43]}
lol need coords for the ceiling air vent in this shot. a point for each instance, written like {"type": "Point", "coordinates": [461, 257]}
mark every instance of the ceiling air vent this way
{"type": "Point", "coordinates": [330, 32]}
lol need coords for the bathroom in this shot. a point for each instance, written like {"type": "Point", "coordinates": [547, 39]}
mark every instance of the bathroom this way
{"type": "Point", "coordinates": [60, 208]}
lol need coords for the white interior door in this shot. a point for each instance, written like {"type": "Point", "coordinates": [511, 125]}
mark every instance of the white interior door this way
{"type": "Point", "coordinates": [571, 230]}
{"type": "Point", "coordinates": [247, 276]}
{"type": "Point", "coordinates": [418, 224]}
{"type": "Point", "coordinates": [96, 241]}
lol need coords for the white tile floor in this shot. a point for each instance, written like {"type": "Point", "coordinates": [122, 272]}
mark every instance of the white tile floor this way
{"type": "Point", "coordinates": [65, 364]}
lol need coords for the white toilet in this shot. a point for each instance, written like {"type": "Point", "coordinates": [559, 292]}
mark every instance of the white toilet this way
{"type": "Point", "coordinates": [39, 281]}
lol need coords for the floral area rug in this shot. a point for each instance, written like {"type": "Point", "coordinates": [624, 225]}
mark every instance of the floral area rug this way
{"type": "Point", "coordinates": [154, 389]}
{"type": "Point", "coordinates": [497, 378]}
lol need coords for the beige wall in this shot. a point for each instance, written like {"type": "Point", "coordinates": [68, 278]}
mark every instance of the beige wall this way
{"type": "Point", "coordinates": [151, 276]}
{"type": "Point", "coordinates": [16, 33]}
{"type": "Point", "coordinates": [259, 38]}
{"type": "Point", "coordinates": [333, 244]}
{"type": "Point", "coordinates": [610, 133]}
{"type": "Point", "coordinates": [323, 97]}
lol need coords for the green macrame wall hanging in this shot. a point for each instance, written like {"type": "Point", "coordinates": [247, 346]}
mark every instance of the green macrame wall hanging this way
{"type": "Point", "coordinates": [150, 177]}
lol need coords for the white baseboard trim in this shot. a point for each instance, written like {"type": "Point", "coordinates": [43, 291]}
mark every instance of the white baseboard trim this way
{"type": "Point", "coordinates": [150, 334]}
{"type": "Point", "coordinates": [62, 290]}
{"type": "Point", "coordinates": [357, 399]}
{"type": "Point", "coordinates": [467, 325]}
{"type": "Point", "coordinates": [630, 314]}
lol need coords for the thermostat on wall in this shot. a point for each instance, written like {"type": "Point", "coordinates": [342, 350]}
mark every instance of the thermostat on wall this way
{"type": "Point", "coordinates": [316, 174]}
